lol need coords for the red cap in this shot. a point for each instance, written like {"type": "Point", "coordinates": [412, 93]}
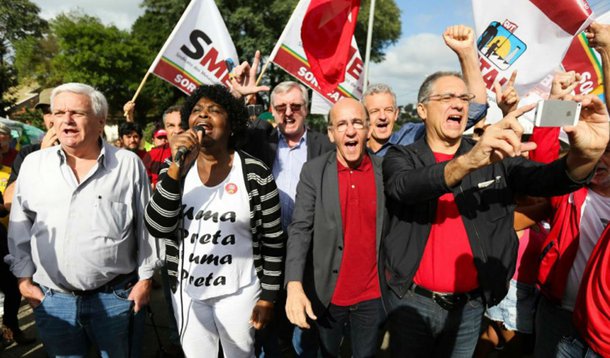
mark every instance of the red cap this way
{"type": "Point", "coordinates": [160, 133]}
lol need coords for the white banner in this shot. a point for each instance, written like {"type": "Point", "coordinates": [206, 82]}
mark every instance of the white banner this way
{"type": "Point", "coordinates": [198, 51]}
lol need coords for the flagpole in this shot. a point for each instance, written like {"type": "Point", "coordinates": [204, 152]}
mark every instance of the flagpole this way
{"type": "Point", "coordinates": [140, 86]}
{"type": "Point", "coordinates": [279, 42]}
{"type": "Point", "coordinates": [369, 40]}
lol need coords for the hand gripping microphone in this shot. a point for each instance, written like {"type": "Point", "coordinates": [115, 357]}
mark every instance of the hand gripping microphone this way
{"type": "Point", "coordinates": [183, 151]}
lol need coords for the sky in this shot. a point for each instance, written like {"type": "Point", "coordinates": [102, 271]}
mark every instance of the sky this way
{"type": "Point", "coordinates": [420, 50]}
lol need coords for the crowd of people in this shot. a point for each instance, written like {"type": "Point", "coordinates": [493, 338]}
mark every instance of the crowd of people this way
{"type": "Point", "coordinates": [276, 240]}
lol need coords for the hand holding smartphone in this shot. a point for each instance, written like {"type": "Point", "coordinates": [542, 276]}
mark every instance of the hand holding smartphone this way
{"type": "Point", "coordinates": [557, 113]}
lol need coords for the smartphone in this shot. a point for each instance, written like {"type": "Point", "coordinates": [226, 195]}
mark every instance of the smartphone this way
{"type": "Point", "coordinates": [557, 113]}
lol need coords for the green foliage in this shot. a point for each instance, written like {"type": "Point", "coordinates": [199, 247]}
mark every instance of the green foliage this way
{"type": "Point", "coordinates": [407, 113]}
{"type": "Point", "coordinates": [317, 122]}
{"type": "Point", "coordinates": [32, 117]}
{"type": "Point", "coordinates": [80, 48]}
{"type": "Point", "coordinates": [18, 19]}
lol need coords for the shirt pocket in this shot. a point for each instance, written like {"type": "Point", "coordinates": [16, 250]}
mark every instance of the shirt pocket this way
{"type": "Point", "coordinates": [493, 200]}
{"type": "Point", "coordinates": [110, 219]}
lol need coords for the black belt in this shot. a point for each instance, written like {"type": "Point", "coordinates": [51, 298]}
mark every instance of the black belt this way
{"type": "Point", "coordinates": [448, 301]}
{"type": "Point", "coordinates": [123, 281]}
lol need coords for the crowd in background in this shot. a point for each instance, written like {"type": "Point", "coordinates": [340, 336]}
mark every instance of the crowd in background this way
{"type": "Point", "coordinates": [271, 239]}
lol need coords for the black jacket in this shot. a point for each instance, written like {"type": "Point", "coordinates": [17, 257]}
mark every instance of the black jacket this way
{"type": "Point", "coordinates": [262, 144]}
{"type": "Point", "coordinates": [413, 183]}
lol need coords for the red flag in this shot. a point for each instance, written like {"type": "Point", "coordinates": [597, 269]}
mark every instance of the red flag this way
{"type": "Point", "coordinates": [326, 33]}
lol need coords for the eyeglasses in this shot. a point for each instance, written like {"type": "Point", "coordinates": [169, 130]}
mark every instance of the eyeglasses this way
{"type": "Point", "coordinates": [342, 126]}
{"type": "Point", "coordinates": [294, 107]}
{"type": "Point", "coordinates": [446, 97]}
{"type": "Point", "coordinates": [388, 111]}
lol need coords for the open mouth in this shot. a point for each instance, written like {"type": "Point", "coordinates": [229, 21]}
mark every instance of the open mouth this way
{"type": "Point", "coordinates": [455, 117]}
{"type": "Point", "coordinates": [351, 145]}
{"type": "Point", "coordinates": [454, 120]}
{"type": "Point", "coordinates": [203, 126]}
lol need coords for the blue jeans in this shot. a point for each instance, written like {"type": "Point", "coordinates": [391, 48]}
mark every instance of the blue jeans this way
{"type": "Point", "coordinates": [419, 327]}
{"type": "Point", "coordinates": [570, 347]}
{"type": "Point", "coordinates": [68, 325]}
{"type": "Point", "coordinates": [552, 324]}
{"type": "Point", "coordinates": [305, 342]}
{"type": "Point", "coordinates": [364, 319]}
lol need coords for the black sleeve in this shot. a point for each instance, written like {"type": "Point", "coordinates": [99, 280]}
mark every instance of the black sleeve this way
{"type": "Point", "coordinates": [24, 152]}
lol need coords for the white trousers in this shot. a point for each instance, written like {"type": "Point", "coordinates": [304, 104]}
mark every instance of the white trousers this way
{"type": "Point", "coordinates": [202, 323]}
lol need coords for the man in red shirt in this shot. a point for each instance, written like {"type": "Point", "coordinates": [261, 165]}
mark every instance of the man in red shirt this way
{"type": "Point", "coordinates": [450, 249]}
{"type": "Point", "coordinates": [331, 260]}
{"type": "Point", "coordinates": [154, 159]}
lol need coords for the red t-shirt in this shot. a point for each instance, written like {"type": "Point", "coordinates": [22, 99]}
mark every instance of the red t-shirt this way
{"type": "Point", "coordinates": [358, 280]}
{"type": "Point", "coordinates": [448, 263]}
{"type": "Point", "coordinates": [528, 256]}
{"type": "Point", "coordinates": [592, 309]}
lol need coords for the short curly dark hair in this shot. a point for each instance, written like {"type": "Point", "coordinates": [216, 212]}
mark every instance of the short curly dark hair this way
{"type": "Point", "coordinates": [236, 110]}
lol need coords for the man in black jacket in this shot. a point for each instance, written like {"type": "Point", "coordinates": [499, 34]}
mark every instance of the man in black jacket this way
{"type": "Point", "coordinates": [450, 248]}
{"type": "Point", "coordinates": [285, 150]}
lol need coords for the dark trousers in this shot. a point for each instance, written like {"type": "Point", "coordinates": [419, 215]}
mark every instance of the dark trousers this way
{"type": "Point", "coordinates": [364, 319]}
{"type": "Point", "coordinates": [12, 297]}
{"type": "Point", "coordinates": [419, 327]}
{"type": "Point", "coordinates": [552, 324]}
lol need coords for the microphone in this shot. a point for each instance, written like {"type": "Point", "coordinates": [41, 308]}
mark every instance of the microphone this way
{"type": "Point", "coordinates": [183, 151]}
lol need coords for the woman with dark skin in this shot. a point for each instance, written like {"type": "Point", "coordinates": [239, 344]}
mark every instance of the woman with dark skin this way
{"type": "Point", "coordinates": [231, 255]}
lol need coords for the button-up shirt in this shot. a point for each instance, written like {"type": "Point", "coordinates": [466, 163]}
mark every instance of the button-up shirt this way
{"type": "Point", "coordinates": [286, 171]}
{"type": "Point", "coordinates": [78, 236]}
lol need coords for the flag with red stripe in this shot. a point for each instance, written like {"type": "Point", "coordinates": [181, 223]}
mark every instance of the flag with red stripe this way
{"type": "Point", "coordinates": [290, 54]}
{"type": "Point", "coordinates": [198, 51]}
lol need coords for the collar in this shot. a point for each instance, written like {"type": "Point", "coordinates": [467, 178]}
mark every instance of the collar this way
{"type": "Point", "coordinates": [101, 158]}
{"type": "Point", "coordinates": [365, 165]}
{"type": "Point", "coordinates": [301, 141]}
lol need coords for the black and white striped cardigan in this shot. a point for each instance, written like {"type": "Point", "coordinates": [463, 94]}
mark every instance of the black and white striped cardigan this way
{"type": "Point", "coordinates": [268, 239]}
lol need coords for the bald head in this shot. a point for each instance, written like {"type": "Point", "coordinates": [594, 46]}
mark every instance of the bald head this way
{"type": "Point", "coordinates": [348, 129]}
{"type": "Point", "coordinates": [346, 103]}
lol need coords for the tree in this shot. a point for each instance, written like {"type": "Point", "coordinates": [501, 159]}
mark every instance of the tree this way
{"type": "Point", "coordinates": [18, 19]}
{"type": "Point", "coordinates": [79, 48]}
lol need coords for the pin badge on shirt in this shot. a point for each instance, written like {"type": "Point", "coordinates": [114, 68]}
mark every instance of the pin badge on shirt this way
{"type": "Point", "coordinates": [231, 188]}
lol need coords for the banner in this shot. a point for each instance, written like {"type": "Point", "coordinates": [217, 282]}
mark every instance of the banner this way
{"type": "Point", "coordinates": [290, 55]}
{"type": "Point", "coordinates": [198, 51]}
{"type": "Point", "coordinates": [584, 60]}
{"type": "Point", "coordinates": [531, 36]}
{"type": "Point", "coordinates": [327, 30]}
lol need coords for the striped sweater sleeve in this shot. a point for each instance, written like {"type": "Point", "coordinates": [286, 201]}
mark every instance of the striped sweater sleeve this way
{"type": "Point", "coordinates": [270, 240]}
{"type": "Point", "coordinates": [163, 209]}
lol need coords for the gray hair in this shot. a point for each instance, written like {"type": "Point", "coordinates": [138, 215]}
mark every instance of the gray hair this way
{"type": "Point", "coordinates": [99, 105]}
{"type": "Point", "coordinates": [426, 86]}
{"type": "Point", "coordinates": [171, 109]}
{"type": "Point", "coordinates": [379, 88]}
{"type": "Point", "coordinates": [287, 86]}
